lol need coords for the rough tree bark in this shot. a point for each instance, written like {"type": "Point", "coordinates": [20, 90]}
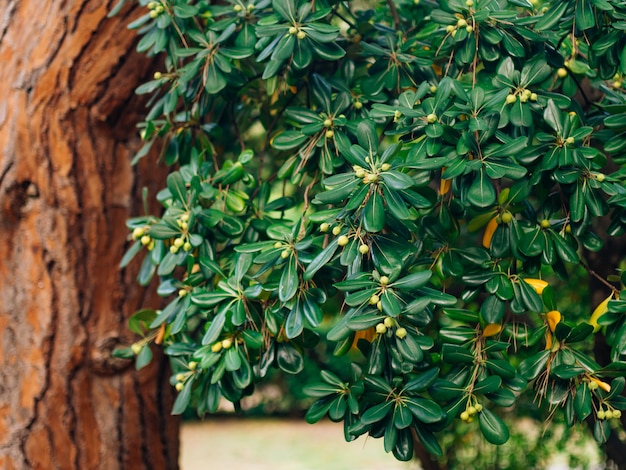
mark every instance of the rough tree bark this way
{"type": "Point", "coordinates": [66, 187]}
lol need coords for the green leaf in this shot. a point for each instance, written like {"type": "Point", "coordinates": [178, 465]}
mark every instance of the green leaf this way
{"type": "Point", "coordinates": [492, 427]}
{"type": "Point", "coordinates": [376, 413]}
{"type": "Point", "coordinates": [412, 281]}
{"type": "Point", "coordinates": [318, 410]}
{"type": "Point", "coordinates": [288, 358]}
{"type": "Point", "coordinates": [481, 192]}
{"type": "Point", "coordinates": [143, 358]}
{"type": "Point", "coordinates": [374, 213]}
{"type": "Point", "coordinates": [288, 285]}
{"type": "Point", "coordinates": [215, 328]}
{"type": "Point", "coordinates": [531, 367]}
{"type": "Point", "coordinates": [426, 411]}
{"type": "Point", "coordinates": [182, 400]}
{"type": "Point", "coordinates": [582, 402]}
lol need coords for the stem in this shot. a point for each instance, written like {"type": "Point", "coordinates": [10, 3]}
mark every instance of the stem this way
{"type": "Point", "coordinates": [394, 13]}
{"type": "Point", "coordinates": [599, 278]}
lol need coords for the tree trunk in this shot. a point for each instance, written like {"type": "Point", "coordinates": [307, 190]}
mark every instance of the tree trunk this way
{"type": "Point", "coordinates": [67, 134]}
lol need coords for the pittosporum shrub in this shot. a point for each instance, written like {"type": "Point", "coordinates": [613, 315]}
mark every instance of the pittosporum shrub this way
{"type": "Point", "coordinates": [408, 181]}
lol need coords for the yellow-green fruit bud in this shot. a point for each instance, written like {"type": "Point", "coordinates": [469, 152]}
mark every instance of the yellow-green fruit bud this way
{"type": "Point", "coordinates": [478, 407]}
{"type": "Point", "coordinates": [431, 118]}
{"type": "Point", "coordinates": [401, 333]}
{"type": "Point", "coordinates": [562, 72]}
{"type": "Point", "coordinates": [136, 348]}
{"type": "Point", "coordinates": [617, 414]}
{"type": "Point", "coordinates": [507, 217]}
{"type": "Point", "coordinates": [358, 104]}
{"type": "Point", "coordinates": [301, 35]}
{"type": "Point", "coordinates": [533, 97]}
{"type": "Point", "coordinates": [465, 416]}
{"type": "Point", "coordinates": [342, 240]}
{"type": "Point", "coordinates": [138, 232]}
{"type": "Point", "coordinates": [278, 245]}
{"type": "Point", "coordinates": [545, 223]}
{"type": "Point", "coordinates": [145, 240]}
{"type": "Point", "coordinates": [453, 33]}
{"type": "Point", "coordinates": [284, 254]}
{"type": "Point", "coordinates": [469, 28]}
{"type": "Point", "coordinates": [193, 365]}
{"type": "Point", "coordinates": [179, 386]}
{"type": "Point", "coordinates": [617, 84]}
{"type": "Point", "coordinates": [184, 225]}
{"type": "Point", "coordinates": [324, 227]}
{"type": "Point", "coordinates": [374, 299]}
{"type": "Point", "coordinates": [150, 246]}
{"type": "Point", "coordinates": [601, 414]}
{"type": "Point", "coordinates": [174, 249]}
{"type": "Point", "coordinates": [569, 140]}
{"type": "Point", "coordinates": [461, 23]}
{"type": "Point", "coordinates": [158, 75]}
{"type": "Point", "coordinates": [237, 8]}
{"type": "Point", "coordinates": [360, 173]}
{"type": "Point", "coordinates": [154, 14]}
{"type": "Point", "coordinates": [471, 410]}
{"type": "Point", "coordinates": [363, 249]}
{"type": "Point", "coordinates": [184, 217]}
{"type": "Point", "coordinates": [187, 246]}
{"type": "Point", "coordinates": [336, 230]}
{"type": "Point", "coordinates": [469, 3]}
{"type": "Point", "coordinates": [389, 322]}
{"type": "Point", "coordinates": [180, 377]}
{"type": "Point", "coordinates": [385, 167]}
{"type": "Point", "coordinates": [371, 178]}
{"type": "Point", "coordinates": [381, 329]}
{"type": "Point", "coordinates": [384, 280]}
{"type": "Point", "coordinates": [600, 177]}
{"type": "Point", "coordinates": [182, 292]}
{"type": "Point", "coordinates": [526, 92]}
{"type": "Point", "coordinates": [293, 30]}
{"type": "Point", "coordinates": [152, 5]}
{"type": "Point", "coordinates": [593, 385]}
{"type": "Point", "coordinates": [227, 343]}
{"type": "Point", "coordinates": [379, 305]}
{"type": "Point", "coordinates": [159, 9]}
{"type": "Point", "coordinates": [329, 134]}
{"type": "Point", "coordinates": [510, 99]}
{"type": "Point", "coordinates": [217, 347]}
{"type": "Point", "coordinates": [179, 242]}
{"type": "Point", "coordinates": [450, 28]}
{"type": "Point", "coordinates": [397, 114]}
{"type": "Point", "coordinates": [328, 123]}
{"type": "Point", "coordinates": [523, 98]}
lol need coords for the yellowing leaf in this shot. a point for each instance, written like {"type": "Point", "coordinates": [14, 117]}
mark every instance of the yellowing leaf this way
{"type": "Point", "coordinates": [603, 385]}
{"type": "Point", "coordinates": [489, 231]}
{"type": "Point", "coordinates": [600, 310]}
{"type": "Point", "coordinates": [548, 341]}
{"type": "Point", "coordinates": [368, 335]}
{"type": "Point", "coordinates": [553, 317]}
{"type": "Point", "coordinates": [492, 329]}
{"type": "Point", "coordinates": [537, 284]}
{"type": "Point", "coordinates": [444, 186]}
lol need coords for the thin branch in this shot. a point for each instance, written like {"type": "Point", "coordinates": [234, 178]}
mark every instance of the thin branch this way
{"type": "Point", "coordinates": [394, 13]}
{"type": "Point", "coordinates": [599, 278]}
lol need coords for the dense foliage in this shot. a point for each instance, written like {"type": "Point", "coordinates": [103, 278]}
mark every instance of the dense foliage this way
{"type": "Point", "coordinates": [405, 180]}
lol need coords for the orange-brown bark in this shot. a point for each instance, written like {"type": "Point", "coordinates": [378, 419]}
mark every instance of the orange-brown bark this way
{"type": "Point", "coordinates": [67, 116]}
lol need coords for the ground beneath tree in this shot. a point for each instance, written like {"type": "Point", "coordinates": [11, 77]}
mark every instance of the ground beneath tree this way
{"type": "Point", "coordinates": [274, 444]}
